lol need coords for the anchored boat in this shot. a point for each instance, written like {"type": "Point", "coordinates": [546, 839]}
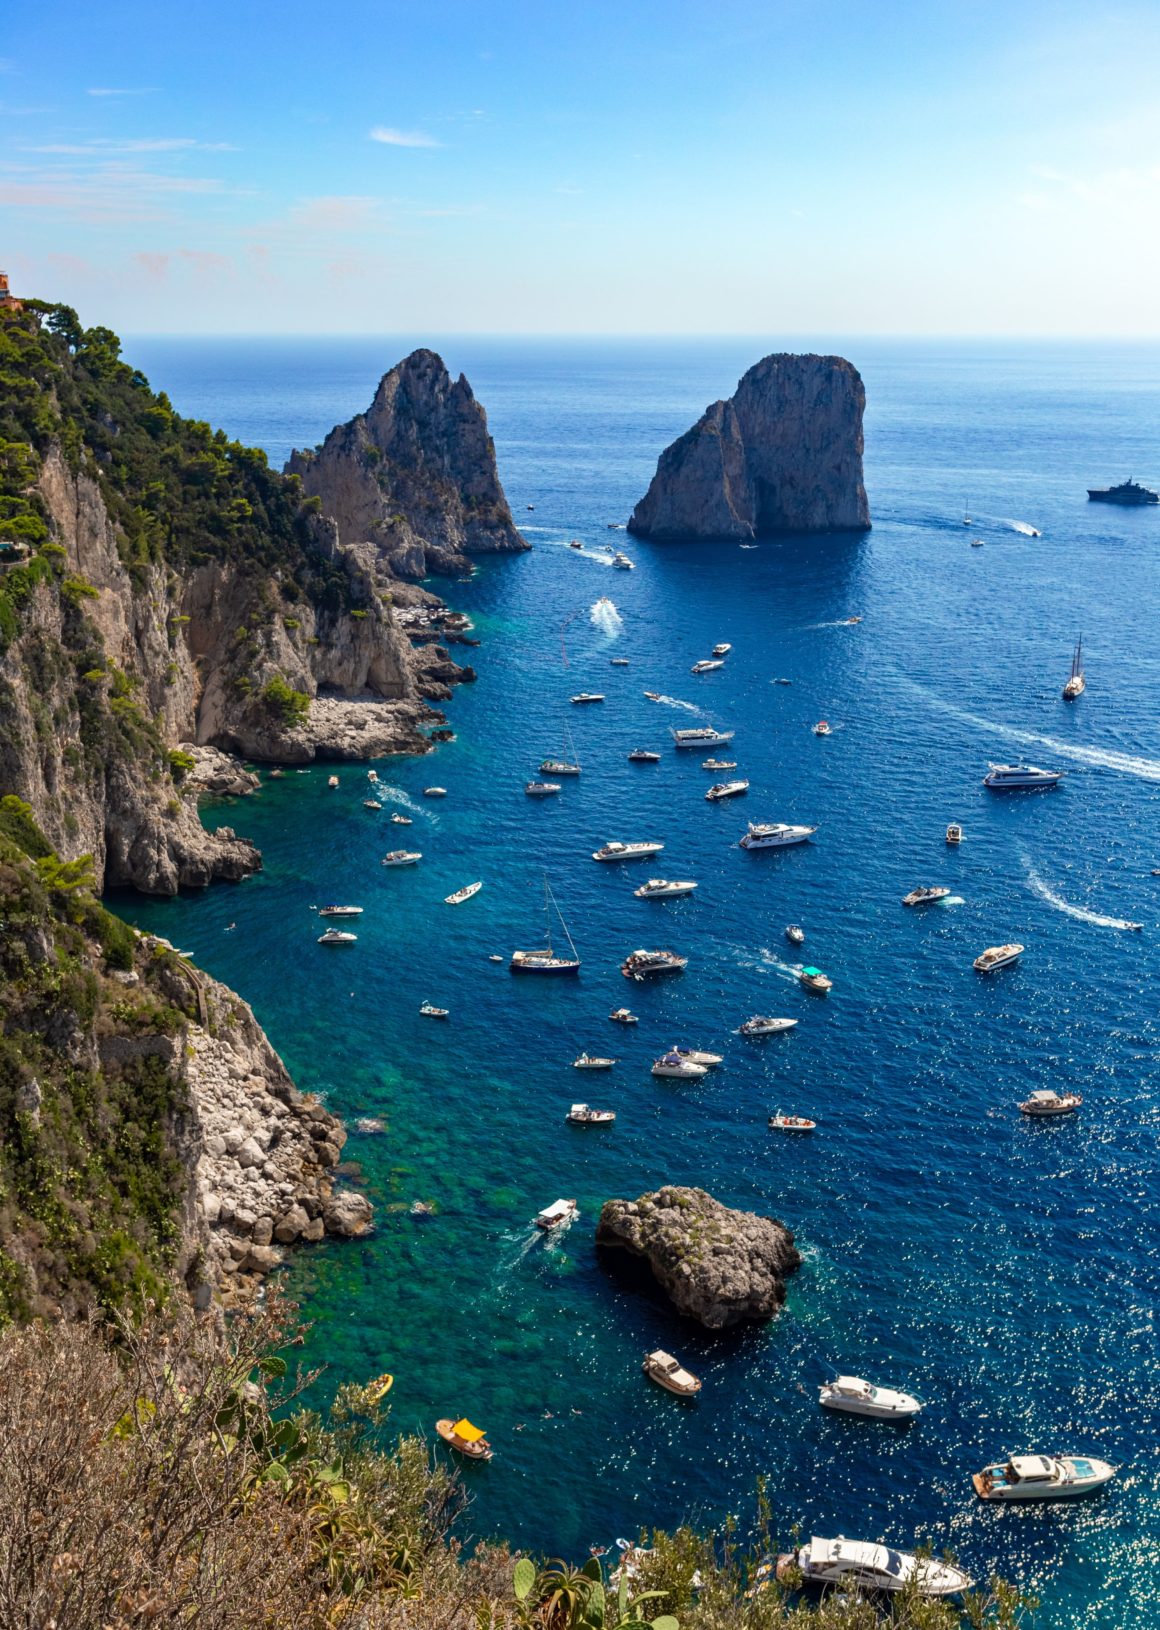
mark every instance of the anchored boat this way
{"type": "Point", "coordinates": [546, 961]}
{"type": "Point", "coordinates": [726, 789]}
{"type": "Point", "coordinates": [672, 1066]}
{"type": "Point", "coordinates": [760, 1025]}
{"type": "Point", "coordinates": [335, 936]}
{"type": "Point", "coordinates": [667, 1372]}
{"type": "Point", "coordinates": [584, 1115]}
{"type": "Point", "coordinates": [853, 1396]}
{"type": "Point", "coordinates": [997, 956]}
{"type": "Point", "coordinates": [661, 888]}
{"type": "Point", "coordinates": [1045, 1103]}
{"type": "Point", "coordinates": [854, 1564]}
{"type": "Point", "coordinates": [468, 892]}
{"type": "Point", "coordinates": [702, 736]}
{"type": "Point", "coordinates": [466, 1439]}
{"type": "Point", "coordinates": [627, 851]}
{"type": "Point", "coordinates": [775, 835]}
{"type": "Point", "coordinates": [647, 964]}
{"type": "Point", "coordinates": [1042, 1477]}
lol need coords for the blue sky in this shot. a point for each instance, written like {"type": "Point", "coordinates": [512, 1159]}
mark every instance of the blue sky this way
{"type": "Point", "coordinates": [792, 166]}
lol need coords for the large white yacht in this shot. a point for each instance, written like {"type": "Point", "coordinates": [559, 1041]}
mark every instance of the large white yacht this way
{"type": "Point", "coordinates": [626, 851]}
{"type": "Point", "coordinates": [662, 888]}
{"type": "Point", "coordinates": [775, 835]}
{"type": "Point", "coordinates": [702, 736]}
{"type": "Point", "coordinates": [761, 1025]}
{"type": "Point", "coordinates": [853, 1396]}
{"type": "Point", "coordinates": [672, 1064]}
{"type": "Point", "coordinates": [707, 666]}
{"type": "Point", "coordinates": [1042, 1477]}
{"type": "Point", "coordinates": [861, 1565]}
{"type": "Point", "coordinates": [1016, 777]}
{"type": "Point", "coordinates": [726, 789]}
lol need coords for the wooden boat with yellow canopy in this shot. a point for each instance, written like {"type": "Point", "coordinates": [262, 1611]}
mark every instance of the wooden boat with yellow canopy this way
{"type": "Point", "coordinates": [468, 1439]}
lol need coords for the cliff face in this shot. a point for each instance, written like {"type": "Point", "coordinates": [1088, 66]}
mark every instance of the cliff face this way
{"type": "Point", "coordinates": [415, 475]}
{"type": "Point", "coordinates": [783, 454]}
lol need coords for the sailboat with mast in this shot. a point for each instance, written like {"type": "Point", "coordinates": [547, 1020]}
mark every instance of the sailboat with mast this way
{"type": "Point", "coordinates": [563, 766]}
{"type": "Point", "coordinates": [1077, 682]}
{"type": "Point", "coordinates": [547, 960]}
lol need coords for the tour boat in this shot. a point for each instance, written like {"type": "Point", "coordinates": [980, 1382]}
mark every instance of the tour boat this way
{"type": "Point", "coordinates": [587, 696]}
{"type": "Point", "coordinates": [622, 1015]}
{"type": "Point", "coordinates": [1046, 1102]}
{"type": "Point", "coordinates": [855, 1564]}
{"type": "Point", "coordinates": [696, 1056]}
{"type": "Point", "coordinates": [622, 562]}
{"type": "Point", "coordinates": [371, 803]}
{"type": "Point", "coordinates": [667, 1372]}
{"type": "Point", "coordinates": [726, 789]}
{"type": "Point", "coordinates": [1076, 682]}
{"type": "Point", "coordinates": [1042, 1477]}
{"type": "Point", "coordinates": [467, 892]}
{"type": "Point", "coordinates": [775, 835]}
{"type": "Point", "coordinates": [434, 792]}
{"type": "Point", "coordinates": [673, 1066]}
{"type": "Point", "coordinates": [627, 851]}
{"type": "Point", "coordinates": [645, 964]}
{"type": "Point", "coordinates": [461, 1435]}
{"type": "Point", "coordinates": [402, 820]}
{"type": "Point", "coordinates": [584, 1115]}
{"type": "Point", "coordinates": [541, 789]}
{"type": "Point", "coordinates": [402, 857]}
{"type": "Point", "coordinates": [795, 934]}
{"type": "Point", "coordinates": [925, 895]}
{"type": "Point", "coordinates": [722, 650]}
{"type": "Point", "coordinates": [854, 1396]}
{"type": "Point", "coordinates": [1020, 777]}
{"type": "Point", "coordinates": [546, 961]}
{"type": "Point", "coordinates": [340, 911]}
{"type": "Point", "coordinates": [430, 1011]}
{"type": "Point", "coordinates": [705, 667]}
{"type": "Point", "coordinates": [760, 1025]}
{"type": "Point", "coordinates": [954, 833]}
{"type": "Point", "coordinates": [822, 728]}
{"type": "Point", "coordinates": [791, 1123]}
{"type": "Point", "coordinates": [588, 1061]}
{"type": "Point", "coordinates": [661, 888]}
{"type": "Point", "coordinates": [702, 736]}
{"type": "Point", "coordinates": [335, 936]}
{"type": "Point", "coordinates": [641, 755]}
{"type": "Point", "coordinates": [997, 956]}
{"type": "Point", "coordinates": [332, 781]}
{"type": "Point", "coordinates": [555, 1215]}
{"type": "Point", "coordinates": [814, 979]}
{"type": "Point", "coordinates": [719, 764]}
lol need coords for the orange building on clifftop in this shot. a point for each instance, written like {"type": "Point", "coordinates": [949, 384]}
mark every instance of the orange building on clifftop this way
{"type": "Point", "coordinates": [8, 301]}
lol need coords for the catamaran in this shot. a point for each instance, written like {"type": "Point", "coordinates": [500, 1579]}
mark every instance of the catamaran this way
{"type": "Point", "coordinates": [546, 961]}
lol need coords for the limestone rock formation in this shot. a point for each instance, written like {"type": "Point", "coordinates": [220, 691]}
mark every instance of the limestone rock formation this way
{"type": "Point", "coordinates": [415, 475]}
{"type": "Point", "coordinates": [716, 1265]}
{"type": "Point", "coordinates": [783, 454]}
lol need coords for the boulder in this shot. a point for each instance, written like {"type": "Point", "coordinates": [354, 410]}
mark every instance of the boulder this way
{"type": "Point", "coordinates": [347, 1214]}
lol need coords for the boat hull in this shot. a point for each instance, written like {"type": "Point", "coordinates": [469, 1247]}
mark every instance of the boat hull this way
{"type": "Point", "coordinates": [529, 963]}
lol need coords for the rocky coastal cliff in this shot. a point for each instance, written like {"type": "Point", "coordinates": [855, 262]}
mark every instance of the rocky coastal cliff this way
{"type": "Point", "coordinates": [783, 454]}
{"type": "Point", "coordinates": [415, 476]}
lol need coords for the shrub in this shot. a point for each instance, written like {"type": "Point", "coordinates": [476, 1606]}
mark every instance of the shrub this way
{"type": "Point", "coordinates": [288, 705]}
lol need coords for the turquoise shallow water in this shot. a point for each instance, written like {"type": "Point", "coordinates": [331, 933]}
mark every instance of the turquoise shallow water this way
{"type": "Point", "coordinates": [1005, 1272]}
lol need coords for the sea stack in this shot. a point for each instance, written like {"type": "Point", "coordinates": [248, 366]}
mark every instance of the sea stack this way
{"type": "Point", "coordinates": [783, 454]}
{"type": "Point", "coordinates": [415, 476]}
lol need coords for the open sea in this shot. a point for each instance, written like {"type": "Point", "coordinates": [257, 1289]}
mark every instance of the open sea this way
{"type": "Point", "coordinates": [1005, 1271]}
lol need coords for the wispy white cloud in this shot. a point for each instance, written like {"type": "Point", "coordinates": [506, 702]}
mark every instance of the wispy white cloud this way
{"type": "Point", "coordinates": [114, 192]}
{"type": "Point", "coordinates": [109, 90]}
{"type": "Point", "coordinates": [402, 138]}
{"type": "Point", "coordinates": [105, 146]}
{"type": "Point", "coordinates": [335, 213]}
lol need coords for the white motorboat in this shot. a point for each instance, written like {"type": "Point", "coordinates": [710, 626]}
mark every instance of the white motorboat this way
{"type": "Point", "coordinates": [705, 667]}
{"type": "Point", "coordinates": [726, 789]}
{"type": "Point", "coordinates": [954, 833]}
{"type": "Point", "coordinates": [402, 820]}
{"type": "Point", "coordinates": [587, 696]}
{"type": "Point", "coordinates": [546, 961]}
{"type": "Point", "coordinates": [555, 1215]}
{"type": "Point", "coordinates": [434, 792]}
{"type": "Point", "coordinates": [1042, 1477]}
{"type": "Point", "coordinates": [702, 736]}
{"type": "Point", "coordinates": [621, 562]}
{"type": "Point", "coordinates": [855, 1564]}
{"type": "Point", "coordinates": [795, 934]}
{"type": "Point", "coordinates": [402, 857]}
{"type": "Point", "coordinates": [584, 1115]}
{"type": "Point", "coordinates": [622, 1015]}
{"type": "Point", "coordinates": [822, 728]}
{"type": "Point", "coordinates": [661, 888]}
{"type": "Point", "coordinates": [467, 892]}
{"type": "Point", "coordinates": [332, 781]}
{"type": "Point", "coordinates": [760, 1025]}
{"type": "Point", "coordinates": [791, 1123]}
{"type": "Point", "coordinates": [647, 964]}
{"type": "Point", "coordinates": [775, 835]}
{"type": "Point", "coordinates": [722, 650]}
{"type": "Point", "coordinates": [618, 662]}
{"type": "Point", "coordinates": [340, 911]}
{"type": "Point", "coordinates": [1020, 777]}
{"type": "Point", "coordinates": [1077, 683]}
{"type": "Point", "coordinates": [372, 775]}
{"type": "Point", "coordinates": [587, 1061]}
{"type": "Point", "coordinates": [641, 755]}
{"type": "Point", "coordinates": [853, 1396]}
{"type": "Point", "coordinates": [371, 803]}
{"type": "Point", "coordinates": [814, 979]}
{"type": "Point", "coordinates": [627, 851]}
{"type": "Point", "coordinates": [696, 1056]}
{"type": "Point", "coordinates": [653, 695]}
{"type": "Point", "coordinates": [997, 956]}
{"type": "Point", "coordinates": [335, 936]}
{"type": "Point", "coordinates": [783, 681]}
{"type": "Point", "coordinates": [924, 895]}
{"type": "Point", "coordinates": [1045, 1103]}
{"type": "Point", "coordinates": [672, 1066]}
{"type": "Point", "coordinates": [541, 789]}
{"type": "Point", "coordinates": [667, 1372]}
{"type": "Point", "coordinates": [430, 1011]}
{"type": "Point", "coordinates": [719, 764]}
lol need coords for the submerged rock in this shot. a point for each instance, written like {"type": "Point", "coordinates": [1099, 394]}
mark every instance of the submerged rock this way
{"type": "Point", "coordinates": [716, 1265]}
{"type": "Point", "coordinates": [783, 454]}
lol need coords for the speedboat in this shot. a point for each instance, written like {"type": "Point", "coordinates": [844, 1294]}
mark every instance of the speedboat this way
{"type": "Point", "coordinates": [467, 892]}
{"type": "Point", "coordinates": [340, 911]}
{"type": "Point", "coordinates": [1042, 1477]}
{"type": "Point", "coordinates": [696, 1056]}
{"type": "Point", "coordinates": [558, 766]}
{"type": "Point", "coordinates": [814, 979]}
{"type": "Point", "coordinates": [1046, 1102]}
{"type": "Point", "coordinates": [575, 544]}
{"type": "Point", "coordinates": [954, 833]}
{"type": "Point", "coordinates": [674, 1067]}
{"type": "Point", "coordinates": [430, 1011]}
{"type": "Point", "coordinates": [705, 667]}
{"type": "Point", "coordinates": [660, 888]}
{"type": "Point", "coordinates": [702, 736]}
{"type": "Point", "coordinates": [434, 792]}
{"type": "Point", "coordinates": [583, 1115]}
{"type": "Point", "coordinates": [855, 1564]}
{"type": "Point", "coordinates": [402, 820]}
{"type": "Point", "coordinates": [541, 789]}
{"type": "Point", "coordinates": [587, 1061]}
{"type": "Point", "coordinates": [641, 755]}
{"type": "Point", "coordinates": [653, 695]}
{"type": "Point", "coordinates": [791, 1123]}
{"type": "Point", "coordinates": [372, 775]}
{"type": "Point", "coordinates": [719, 764]}
{"type": "Point", "coordinates": [1020, 777]}
{"type": "Point", "coordinates": [621, 562]}
{"type": "Point", "coordinates": [461, 1435]}
{"type": "Point", "coordinates": [587, 696]}
{"type": "Point", "coordinates": [849, 621]}
{"type": "Point", "coordinates": [722, 650]}
{"type": "Point", "coordinates": [618, 662]}
{"type": "Point", "coordinates": [622, 1015]}
{"type": "Point", "coordinates": [646, 964]}
{"type": "Point", "coordinates": [371, 803]}
{"type": "Point", "coordinates": [783, 681]}
{"type": "Point", "coordinates": [335, 936]}
{"type": "Point", "coordinates": [667, 1372]}
{"type": "Point", "coordinates": [854, 1396]}
{"type": "Point", "coordinates": [795, 934]}
{"type": "Point", "coordinates": [627, 851]}
{"type": "Point", "coordinates": [760, 1025]}
{"type": "Point", "coordinates": [402, 857]}
{"type": "Point", "coordinates": [822, 728]}
{"type": "Point", "coordinates": [775, 835]}
{"type": "Point", "coordinates": [726, 789]}
{"type": "Point", "coordinates": [555, 1215]}
{"type": "Point", "coordinates": [997, 956]}
{"type": "Point", "coordinates": [925, 895]}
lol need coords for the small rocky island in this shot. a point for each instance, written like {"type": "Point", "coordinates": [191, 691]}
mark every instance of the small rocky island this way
{"type": "Point", "coordinates": [716, 1265]}
{"type": "Point", "coordinates": [783, 454]}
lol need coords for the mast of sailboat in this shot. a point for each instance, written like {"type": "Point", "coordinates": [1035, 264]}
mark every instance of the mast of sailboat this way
{"type": "Point", "coordinates": [571, 746]}
{"type": "Point", "coordinates": [1077, 659]}
{"type": "Point", "coordinates": [549, 896]}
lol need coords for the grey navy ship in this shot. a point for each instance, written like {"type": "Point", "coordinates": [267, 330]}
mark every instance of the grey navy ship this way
{"type": "Point", "coordinates": [1128, 492]}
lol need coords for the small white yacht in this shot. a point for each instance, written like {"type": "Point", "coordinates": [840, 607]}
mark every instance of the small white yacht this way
{"type": "Point", "coordinates": [647, 964]}
{"type": "Point", "coordinates": [672, 1066]}
{"type": "Point", "coordinates": [855, 1564]}
{"type": "Point", "coordinates": [622, 1015]}
{"type": "Point", "coordinates": [467, 892]}
{"type": "Point", "coordinates": [402, 857]}
{"type": "Point", "coordinates": [621, 562]}
{"type": "Point", "coordinates": [587, 1061]}
{"type": "Point", "coordinates": [760, 1025]}
{"type": "Point", "coordinates": [340, 911]}
{"type": "Point", "coordinates": [402, 820]}
{"type": "Point", "coordinates": [795, 934]}
{"type": "Point", "coordinates": [925, 895]}
{"type": "Point", "coordinates": [954, 833]}
{"type": "Point", "coordinates": [706, 667]}
{"type": "Point", "coordinates": [722, 650]}
{"type": "Point", "coordinates": [791, 1123]}
{"type": "Point", "coordinates": [775, 835]}
{"type": "Point", "coordinates": [997, 956]}
{"type": "Point", "coordinates": [1045, 1103]}
{"type": "Point", "coordinates": [661, 888]}
{"type": "Point", "coordinates": [430, 1011]}
{"type": "Point", "coordinates": [335, 936]}
{"type": "Point", "coordinates": [726, 789]}
{"type": "Point", "coordinates": [627, 851]}
{"type": "Point", "coordinates": [1020, 777]}
{"type": "Point", "coordinates": [332, 781]}
{"type": "Point", "coordinates": [587, 696]}
{"type": "Point", "coordinates": [719, 764]}
{"type": "Point", "coordinates": [371, 803]}
{"type": "Point", "coordinates": [669, 1373]}
{"type": "Point", "coordinates": [618, 662]}
{"type": "Point", "coordinates": [823, 728]}
{"type": "Point", "coordinates": [854, 1396]}
{"type": "Point", "coordinates": [541, 789]}
{"type": "Point", "coordinates": [1042, 1477]}
{"type": "Point", "coordinates": [555, 1215]}
{"type": "Point", "coordinates": [702, 736]}
{"type": "Point", "coordinates": [434, 792]}
{"type": "Point", "coordinates": [584, 1115]}
{"type": "Point", "coordinates": [641, 755]}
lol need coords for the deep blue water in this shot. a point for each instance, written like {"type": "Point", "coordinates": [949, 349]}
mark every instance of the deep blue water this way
{"type": "Point", "coordinates": [1005, 1271]}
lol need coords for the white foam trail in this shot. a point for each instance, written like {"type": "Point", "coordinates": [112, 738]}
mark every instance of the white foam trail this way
{"type": "Point", "coordinates": [396, 795]}
{"type": "Point", "coordinates": [786, 970]}
{"type": "Point", "coordinates": [952, 900]}
{"type": "Point", "coordinates": [1026, 528]}
{"type": "Point", "coordinates": [675, 701]}
{"type": "Point", "coordinates": [838, 622]}
{"type": "Point", "coordinates": [606, 618]}
{"type": "Point", "coordinates": [1039, 887]}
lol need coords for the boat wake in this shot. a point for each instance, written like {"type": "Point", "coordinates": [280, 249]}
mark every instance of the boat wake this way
{"type": "Point", "coordinates": [838, 622]}
{"type": "Point", "coordinates": [1025, 528]}
{"type": "Point", "coordinates": [395, 795]}
{"type": "Point", "coordinates": [784, 970]}
{"type": "Point", "coordinates": [675, 701]}
{"type": "Point", "coordinates": [606, 618]}
{"type": "Point", "coordinates": [952, 900]}
{"type": "Point", "coordinates": [525, 1242]}
{"type": "Point", "coordinates": [1037, 886]}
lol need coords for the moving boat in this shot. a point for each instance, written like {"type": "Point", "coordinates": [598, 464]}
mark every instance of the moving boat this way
{"type": "Point", "coordinates": [583, 1115]}
{"type": "Point", "coordinates": [461, 1435]}
{"type": "Point", "coordinates": [575, 544]}
{"type": "Point", "coordinates": [627, 851]}
{"type": "Point", "coordinates": [622, 1015]}
{"type": "Point", "coordinates": [723, 649]}
{"type": "Point", "coordinates": [588, 696]}
{"type": "Point", "coordinates": [434, 792]}
{"type": "Point", "coordinates": [1076, 682]}
{"type": "Point", "coordinates": [641, 755]}
{"type": "Point", "coordinates": [719, 764]}
{"type": "Point", "coordinates": [997, 956]}
{"type": "Point", "coordinates": [853, 1396]}
{"type": "Point", "coordinates": [541, 789]}
{"type": "Point", "coordinates": [430, 1011]}
{"type": "Point", "coordinates": [645, 964]}
{"type": "Point", "coordinates": [467, 892]}
{"type": "Point", "coordinates": [402, 857]}
{"type": "Point", "coordinates": [335, 936]}
{"type": "Point", "coordinates": [695, 1056]}
{"type": "Point", "coordinates": [775, 835]}
{"type": "Point", "coordinates": [371, 803]}
{"type": "Point", "coordinates": [1042, 1477]}
{"type": "Point", "coordinates": [791, 1123]}
{"type": "Point", "coordinates": [340, 911]}
{"type": "Point", "coordinates": [814, 979]}
{"type": "Point", "coordinates": [855, 1564]}
{"type": "Point", "coordinates": [1046, 1102]}
{"type": "Point", "coordinates": [555, 1215]}
{"type": "Point", "coordinates": [702, 736]}
{"type": "Point", "coordinates": [760, 1025]}
{"type": "Point", "coordinates": [653, 695]}
{"type": "Point", "coordinates": [795, 934]}
{"type": "Point", "coordinates": [705, 667]}
{"type": "Point", "coordinates": [954, 833]}
{"type": "Point", "coordinates": [660, 888]}
{"type": "Point", "coordinates": [672, 1066]}
{"type": "Point", "coordinates": [618, 662]}
{"type": "Point", "coordinates": [546, 961]}
{"type": "Point", "coordinates": [822, 728]}
{"type": "Point", "coordinates": [1128, 492]}
{"type": "Point", "coordinates": [667, 1372]}
{"type": "Point", "coordinates": [925, 895]}
{"type": "Point", "coordinates": [1016, 777]}
{"type": "Point", "coordinates": [850, 620]}
{"type": "Point", "coordinates": [587, 1061]}
{"type": "Point", "coordinates": [621, 562]}
{"type": "Point", "coordinates": [402, 820]}
{"type": "Point", "coordinates": [726, 789]}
